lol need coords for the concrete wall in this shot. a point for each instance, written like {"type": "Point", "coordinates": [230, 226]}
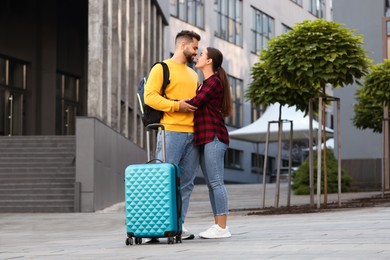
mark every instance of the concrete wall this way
{"type": "Point", "coordinates": [363, 147]}
{"type": "Point", "coordinates": [102, 156]}
{"type": "Point", "coordinates": [125, 39]}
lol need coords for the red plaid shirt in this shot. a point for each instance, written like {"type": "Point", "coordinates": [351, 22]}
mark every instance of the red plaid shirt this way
{"type": "Point", "coordinates": [208, 120]}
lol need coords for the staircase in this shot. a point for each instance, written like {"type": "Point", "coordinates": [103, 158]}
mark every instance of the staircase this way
{"type": "Point", "coordinates": [37, 174]}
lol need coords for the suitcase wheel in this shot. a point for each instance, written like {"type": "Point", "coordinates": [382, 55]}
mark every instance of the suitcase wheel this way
{"type": "Point", "coordinates": [171, 240]}
{"type": "Point", "coordinates": [129, 241]}
{"type": "Point", "coordinates": [138, 240]}
{"type": "Point", "coordinates": [178, 239]}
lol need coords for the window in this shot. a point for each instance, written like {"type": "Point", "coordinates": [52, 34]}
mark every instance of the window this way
{"type": "Point", "coordinates": [257, 111]}
{"type": "Point", "coordinates": [190, 11]}
{"type": "Point", "coordinates": [258, 163]}
{"type": "Point", "coordinates": [233, 159]}
{"type": "Point", "coordinates": [262, 30]}
{"type": "Point", "coordinates": [229, 22]}
{"type": "Point", "coordinates": [317, 8]}
{"type": "Point", "coordinates": [387, 38]}
{"type": "Point", "coordinates": [298, 2]}
{"type": "Point", "coordinates": [286, 28]}
{"type": "Point", "coordinates": [236, 90]}
{"type": "Point", "coordinates": [13, 73]}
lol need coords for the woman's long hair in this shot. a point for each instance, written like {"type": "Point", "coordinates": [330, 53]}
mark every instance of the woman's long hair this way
{"type": "Point", "coordinates": [217, 58]}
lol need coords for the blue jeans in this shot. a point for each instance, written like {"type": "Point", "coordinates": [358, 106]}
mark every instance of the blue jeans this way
{"type": "Point", "coordinates": [180, 149]}
{"type": "Point", "coordinates": [212, 164]}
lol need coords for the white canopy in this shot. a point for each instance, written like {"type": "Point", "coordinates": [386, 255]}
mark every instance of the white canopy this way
{"type": "Point", "coordinates": [257, 131]}
{"type": "Point", "coordinates": [329, 144]}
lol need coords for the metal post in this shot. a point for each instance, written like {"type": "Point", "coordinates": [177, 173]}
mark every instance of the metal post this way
{"type": "Point", "coordinates": [290, 164]}
{"type": "Point", "coordinates": [386, 151]}
{"type": "Point", "coordinates": [311, 161]}
{"type": "Point", "coordinates": [265, 162]}
{"type": "Point", "coordinates": [277, 191]}
{"type": "Point", "coordinates": [339, 151]}
{"type": "Point", "coordinates": [319, 153]}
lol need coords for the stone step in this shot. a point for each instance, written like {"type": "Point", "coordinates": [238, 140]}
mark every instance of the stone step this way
{"type": "Point", "coordinates": [43, 163]}
{"type": "Point", "coordinates": [41, 208]}
{"type": "Point", "coordinates": [37, 173]}
{"type": "Point", "coordinates": [31, 180]}
{"type": "Point", "coordinates": [37, 144]}
{"type": "Point", "coordinates": [36, 190]}
{"type": "Point", "coordinates": [36, 197]}
{"type": "Point", "coordinates": [28, 152]}
{"type": "Point", "coordinates": [36, 206]}
{"type": "Point", "coordinates": [44, 202]}
{"type": "Point", "coordinates": [33, 157]}
{"type": "Point", "coordinates": [38, 185]}
{"type": "Point", "coordinates": [38, 138]}
{"type": "Point", "coordinates": [37, 169]}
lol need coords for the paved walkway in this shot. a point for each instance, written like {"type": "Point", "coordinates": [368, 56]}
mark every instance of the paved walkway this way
{"type": "Point", "coordinates": [345, 234]}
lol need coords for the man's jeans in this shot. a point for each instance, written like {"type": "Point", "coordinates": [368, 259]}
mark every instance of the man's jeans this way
{"type": "Point", "coordinates": [180, 149]}
{"type": "Point", "coordinates": [212, 163]}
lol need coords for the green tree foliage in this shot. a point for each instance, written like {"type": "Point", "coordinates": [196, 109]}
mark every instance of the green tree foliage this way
{"type": "Point", "coordinates": [301, 185]}
{"type": "Point", "coordinates": [371, 98]}
{"type": "Point", "coordinates": [296, 65]}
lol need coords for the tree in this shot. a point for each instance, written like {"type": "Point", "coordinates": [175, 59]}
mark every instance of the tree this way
{"type": "Point", "coordinates": [297, 65]}
{"type": "Point", "coordinates": [372, 97]}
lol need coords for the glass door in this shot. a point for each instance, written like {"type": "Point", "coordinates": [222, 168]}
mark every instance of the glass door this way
{"type": "Point", "coordinates": [66, 105]}
{"type": "Point", "coordinates": [12, 89]}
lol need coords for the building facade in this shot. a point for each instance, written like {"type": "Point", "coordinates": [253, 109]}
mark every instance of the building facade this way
{"type": "Point", "coordinates": [362, 150]}
{"type": "Point", "coordinates": [63, 59]}
{"type": "Point", "coordinates": [73, 68]}
{"type": "Point", "coordinates": [241, 29]}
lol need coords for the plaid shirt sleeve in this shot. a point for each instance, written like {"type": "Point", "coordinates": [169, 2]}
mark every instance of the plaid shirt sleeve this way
{"type": "Point", "coordinates": [209, 121]}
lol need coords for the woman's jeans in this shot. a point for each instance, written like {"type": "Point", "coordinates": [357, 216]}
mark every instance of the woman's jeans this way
{"type": "Point", "coordinates": [212, 164]}
{"type": "Point", "coordinates": [180, 150]}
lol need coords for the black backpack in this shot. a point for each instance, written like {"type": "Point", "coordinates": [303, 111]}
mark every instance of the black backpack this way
{"type": "Point", "coordinates": [150, 115]}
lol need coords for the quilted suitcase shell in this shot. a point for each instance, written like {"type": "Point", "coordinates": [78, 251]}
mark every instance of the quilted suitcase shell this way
{"type": "Point", "coordinates": [151, 200]}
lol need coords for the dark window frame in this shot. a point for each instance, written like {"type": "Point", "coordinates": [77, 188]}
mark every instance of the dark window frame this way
{"type": "Point", "coordinates": [229, 21]}
{"type": "Point", "coordinates": [189, 11]}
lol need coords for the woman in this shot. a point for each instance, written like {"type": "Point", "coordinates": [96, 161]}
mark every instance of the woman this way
{"type": "Point", "coordinates": [213, 100]}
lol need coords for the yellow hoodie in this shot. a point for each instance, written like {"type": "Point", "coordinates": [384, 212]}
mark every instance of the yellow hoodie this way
{"type": "Point", "coordinates": [183, 84]}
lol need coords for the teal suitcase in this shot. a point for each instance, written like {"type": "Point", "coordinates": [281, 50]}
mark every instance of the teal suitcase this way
{"type": "Point", "coordinates": [153, 200]}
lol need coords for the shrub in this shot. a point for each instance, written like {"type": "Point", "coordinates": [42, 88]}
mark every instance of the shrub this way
{"type": "Point", "coordinates": [301, 185]}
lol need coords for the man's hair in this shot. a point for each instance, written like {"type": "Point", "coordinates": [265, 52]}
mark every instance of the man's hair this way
{"type": "Point", "coordinates": [188, 36]}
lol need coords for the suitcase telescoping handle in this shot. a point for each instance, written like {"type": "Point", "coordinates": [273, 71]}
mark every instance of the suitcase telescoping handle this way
{"type": "Point", "coordinates": [155, 126]}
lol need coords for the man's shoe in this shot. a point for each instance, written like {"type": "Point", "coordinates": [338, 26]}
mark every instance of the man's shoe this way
{"type": "Point", "coordinates": [152, 240]}
{"type": "Point", "coordinates": [186, 235]}
{"type": "Point", "coordinates": [216, 232]}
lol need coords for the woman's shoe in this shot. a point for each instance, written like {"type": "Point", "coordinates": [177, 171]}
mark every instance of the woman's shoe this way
{"type": "Point", "coordinates": [215, 231]}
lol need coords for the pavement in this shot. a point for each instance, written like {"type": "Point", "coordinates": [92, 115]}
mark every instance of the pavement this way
{"type": "Point", "coordinates": [359, 233]}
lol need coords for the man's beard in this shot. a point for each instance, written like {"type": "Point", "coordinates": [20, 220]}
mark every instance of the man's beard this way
{"type": "Point", "coordinates": [188, 55]}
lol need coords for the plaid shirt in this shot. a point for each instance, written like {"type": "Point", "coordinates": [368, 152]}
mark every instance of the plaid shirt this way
{"type": "Point", "coordinates": [208, 120]}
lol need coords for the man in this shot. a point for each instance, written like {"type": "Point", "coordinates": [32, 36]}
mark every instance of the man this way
{"type": "Point", "coordinates": [178, 116]}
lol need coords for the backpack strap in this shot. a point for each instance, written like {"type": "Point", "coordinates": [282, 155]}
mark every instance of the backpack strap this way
{"type": "Point", "coordinates": [166, 80]}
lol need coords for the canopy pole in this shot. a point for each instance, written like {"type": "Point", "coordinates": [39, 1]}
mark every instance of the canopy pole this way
{"type": "Point", "coordinates": [265, 162]}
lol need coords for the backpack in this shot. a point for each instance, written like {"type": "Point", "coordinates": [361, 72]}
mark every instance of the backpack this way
{"type": "Point", "coordinates": [150, 115]}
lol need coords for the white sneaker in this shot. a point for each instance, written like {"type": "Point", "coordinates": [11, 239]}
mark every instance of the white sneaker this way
{"type": "Point", "coordinates": [185, 234]}
{"type": "Point", "coordinates": [216, 232]}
